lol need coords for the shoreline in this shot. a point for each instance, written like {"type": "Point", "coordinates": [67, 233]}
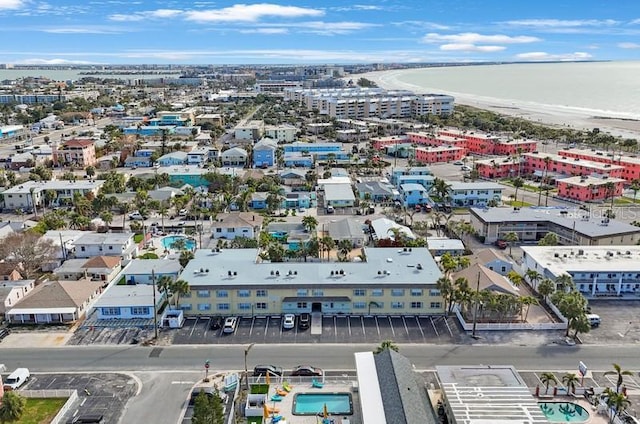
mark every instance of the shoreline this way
{"type": "Point", "coordinates": [551, 115]}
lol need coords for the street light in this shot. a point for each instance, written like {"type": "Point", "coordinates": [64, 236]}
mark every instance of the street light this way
{"type": "Point", "coordinates": [246, 374]}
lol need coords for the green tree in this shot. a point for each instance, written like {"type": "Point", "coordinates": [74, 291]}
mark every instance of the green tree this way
{"type": "Point", "coordinates": [571, 305]}
{"type": "Point", "coordinates": [310, 223]}
{"type": "Point", "coordinates": [441, 188]}
{"type": "Point", "coordinates": [515, 278]}
{"type": "Point", "coordinates": [570, 380]}
{"type": "Point", "coordinates": [548, 378]}
{"type": "Point", "coordinates": [185, 257]}
{"type": "Point", "coordinates": [511, 237]}
{"type": "Point", "coordinates": [580, 325]}
{"type": "Point", "coordinates": [620, 374]}
{"type": "Point", "coordinates": [90, 171]}
{"type": "Point", "coordinates": [179, 288]}
{"type": "Point", "coordinates": [344, 248]}
{"type": "Point", "coordinates": [386, 345]}
{"type": "Point", "coordinates": [617, 402]}
{"type": "Point", "coordinates": [546, 288]}
{"type": "Point", "coordinates": [107, 217]}
{"type": "Point", "coordinates": [533, 276]}
{"type": "Point", "coordinates": [549, 239]}
{"type": "Point", "coordinates": [517, 183]}
{"type": "Point", "coordinates": [528, 301]}
{"type": "Point", "coordinates": [12, 407]}
{"type": "Point", "coordinates": [208, 409]}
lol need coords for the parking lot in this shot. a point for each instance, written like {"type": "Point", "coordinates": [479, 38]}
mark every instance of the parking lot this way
{"type": "Point", "coordinates": [335, 329]}
{"type": "Point", "coordinates": [618, 323]}
{"type": "Point", "coordinates": [105, 394]}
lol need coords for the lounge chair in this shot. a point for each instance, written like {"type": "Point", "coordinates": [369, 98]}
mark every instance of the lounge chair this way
{"type": "Point", "coordinates": [287, 386]}
{"type": "Point", "coordinates": [276, 398]}
{"type": "Point", "coordinates": [281, 392]}
{"type": "Point", "coordinates": [317, 384]}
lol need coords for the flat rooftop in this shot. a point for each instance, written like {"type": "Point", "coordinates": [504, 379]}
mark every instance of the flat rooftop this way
{"type": "Point", "coordinates": [488, 394]}
{"type": "Point", "coordinates": [574, 219]}
{"type": "Point", "coordinates": [589, 181]}
{"type": "Point", "coordinates": [600, 155]}
{"type": "Point", "coordinates": [479, 185]}
{"type": "Point", "coordinates": [574, 161]}
{"type": "Point", "coordinates": [585, 259]}
{"type": "Point", "coordinates": [383, 267]}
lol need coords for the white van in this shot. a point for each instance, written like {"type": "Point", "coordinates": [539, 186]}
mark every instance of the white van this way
{"type": "Point", "coordinates": [17, 379]}
{"type": "Point", "coordinates": [594, 320]}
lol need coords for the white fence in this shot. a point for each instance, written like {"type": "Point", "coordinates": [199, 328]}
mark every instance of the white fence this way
{"type": "Point", "coordinates": [71, 395]}
{"type": "Point", "coordinates": [497, 326]}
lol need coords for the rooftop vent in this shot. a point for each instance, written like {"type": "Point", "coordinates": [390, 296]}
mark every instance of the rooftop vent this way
{"type": "Point", "coordinates": [419, 266]}
{"type": "Point", "coordinates": [580, 252]}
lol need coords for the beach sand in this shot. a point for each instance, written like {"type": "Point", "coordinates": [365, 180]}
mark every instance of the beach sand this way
{"type": "Point", "coordinates": [556, 116]}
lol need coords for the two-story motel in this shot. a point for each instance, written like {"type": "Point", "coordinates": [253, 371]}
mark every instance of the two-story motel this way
{"type": "Point", "coordinates": [630, 164]}
{"type": "Point", "coordinates": [238, 282]}
{"type": "Point", "coordinates": [597, 271]}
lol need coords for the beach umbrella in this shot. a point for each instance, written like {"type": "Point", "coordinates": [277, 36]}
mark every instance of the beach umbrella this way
{"type": "Point", "coordinates": [265, 410]}
{"type": "Point", "coordinates": [325, 412]}
{"type": "Point", "coordinates": [267, 378]}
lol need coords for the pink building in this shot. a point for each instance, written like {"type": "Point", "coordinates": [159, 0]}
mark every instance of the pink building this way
{"type": "Point", "coordinates": [514, 147]}
{"type": "Point", "coordinates": [499, 167]}
{"type": "Point", "coordinates": [78, 152]}
{"type": "Point", "coordinates": [631, 164]}
{"type": "Point", "coordinates": [426, 139]}
{"type": "Point", "coordinates": [536, 163]}
{"type": "Point", "coordinates": [438, 154]}
{"type": "Point", "coordinates": [379, 143]}
{"type": "Point", "coordinates": [589, 188]}
{"type": "Point", "coordinates": [480, 143]}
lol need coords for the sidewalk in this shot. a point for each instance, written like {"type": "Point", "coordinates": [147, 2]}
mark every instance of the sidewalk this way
{"type": "Point", "coordinates": [33, 339]}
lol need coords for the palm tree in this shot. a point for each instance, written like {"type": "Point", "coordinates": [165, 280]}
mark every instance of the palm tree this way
{"type": "Point", "coordinates": [549, 239]}
{"type": "Point", "coordinates": [511, 237]}
{"type": "Point", "coordinates": [164, 284]}
{"type": "Point", "coordinates": [548, 378]}
{"type": "Point", "coordinates": [310, 223]}
{"type": "Point", "coordinates": [179, 288]}
{"type": "Point", "coordinates": [565, 282]}
{"type": "Point", "coordinates": [517, 183]}
{"type": "Point", "coordinates": [327, 244]}
{"type": "Point", "coordinates": [635, 187]}
{"type": "Point", "coordinates": [533, 276]}
{"type": "Point", "coordinates": [571, 381]}
{"type": "Point", "coordinates": [386, 345]}
{"type": "Point", "coordinates": [446, 291]}
{"type": "Point", "coordinates": [344, 248]}
{"type": "Point", "coordinates": [185, 257]}
{"type": "Point", "coordinates": [12, 407]}
{"type": "Point", "coordinates": [515, 278]}
{"type": "Point", "coordinates": [441, 188]}
{"type": "Point", "coordinates": [528, 301]}
{"type": "Point", "coordinates": [619, 373]}
{"type": "Point", "coordinates": [618, 402]}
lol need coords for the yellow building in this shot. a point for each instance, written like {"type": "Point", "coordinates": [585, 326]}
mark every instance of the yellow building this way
{"type": "Point", "coordinates": [398, 281]}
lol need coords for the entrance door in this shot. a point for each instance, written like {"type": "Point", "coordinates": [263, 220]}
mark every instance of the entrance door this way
{"type": "Point", "coordinates": [316, 307]}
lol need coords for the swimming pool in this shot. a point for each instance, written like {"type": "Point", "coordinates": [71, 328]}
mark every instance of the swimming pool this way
{"type": "Point", "coordinates": [167, 242]}
{"type": "Point", "coordinates": [313, 403]}
{"type": "Point", "coordinates": [564, 412]}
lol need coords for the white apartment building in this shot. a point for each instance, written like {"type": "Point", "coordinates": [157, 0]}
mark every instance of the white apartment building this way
{"type": "Point", "coordinates": [281, 133]}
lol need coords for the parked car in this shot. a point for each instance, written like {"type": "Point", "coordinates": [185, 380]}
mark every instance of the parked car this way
{"type": "Point", "coordinates": [87, 419]}
{"type": "Point", "coordinates": [215, 323]}
{"type": "Point", "coordinates": [136, 216]}
{"type": "Point", "coordinates": [330, 209]}
{"type": "Point", "coordinates": [230, 325]}
{"type": "Point", "coordinates": [304, 321]}
{"type": "Point", "coordinates": [458, 162]}
{"type": "Point", "coordinates": [465, 168]}
{"type": "Point", "coordinates": [182, 212]}
{"type": "Point", "coordinates": [289, 321]}
{"type": "Point", "coordinates": [260, 370]}
{"type": "Point", "coordinates": [306, 371]}
{"type": "Point", "coordinates": [418, 208]}
{"type": "Point", "coordinates": [594, 320]}
{"type": "Point", "coordinates": [426, 208]}
{"type": "Point", "coordinates": [17, 378]}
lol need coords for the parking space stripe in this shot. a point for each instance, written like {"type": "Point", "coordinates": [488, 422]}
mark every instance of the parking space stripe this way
{"type": "Point", "coordinates": [335, 329]}
{"type": "Point", "coordinates": [404, 322]}
{"type": "Point", "coordinates": [446, 322]}
{"type": "Point", "coordinates": [195, 323]}
{"type": "Point", "coordinates": [420, 327]}
{"type": "Point", "coordinates": [377, 327]}
{"type": "Point", "coordinates": [364, 333]}
{"type": "Point", "coordinates": [393, 331]}
{"type": "Point", "coordinates": [433, 324]}
{"type": "Point", "coordinates": [253, 320]}
{"type": "Point", "coordinates": [349, 325]}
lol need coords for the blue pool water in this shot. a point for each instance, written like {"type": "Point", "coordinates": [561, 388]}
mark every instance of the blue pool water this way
{"type": "Point", "coordinates": [564, 412]}
{"type": "Point", "coordinates": [167, 242]}
{"type": "Point", "coordinates": [313, 403]}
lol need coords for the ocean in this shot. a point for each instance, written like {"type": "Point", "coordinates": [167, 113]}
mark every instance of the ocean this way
{"type": "Point", "coordinates": [610, 89]}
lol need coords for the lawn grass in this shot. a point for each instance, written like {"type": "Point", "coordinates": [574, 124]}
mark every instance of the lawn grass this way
{"type": "Point", "coordinates": [259, 389]}
{"type": "Point", "coordinates": [41, 410]}
{"type": "Point", "coordinates": [137, 238]}
{"type": "Point", "coordinates": [518, 203]}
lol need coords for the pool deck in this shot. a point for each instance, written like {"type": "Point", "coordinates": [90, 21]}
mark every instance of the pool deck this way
{"type": "Point", "coordinates": [286, 404]}
{"type": "Point", "coordinates": [594, 416]}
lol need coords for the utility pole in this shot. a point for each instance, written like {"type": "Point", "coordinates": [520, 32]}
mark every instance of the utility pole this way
{"type": "Point", "coordinates": [475, 310]}
{"type": "Point", "coordinates": [155, 306]}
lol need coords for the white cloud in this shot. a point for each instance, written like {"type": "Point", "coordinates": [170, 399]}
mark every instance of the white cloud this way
{"type": "Point", "coordinates": [126, 18]}
{"type": "Point", "coordinates": [560, 23]}
{"type": "Point", "coordinates": [358, 7]}
{"type": "Point", "coordinates": [251, 13]}
{"type": "Point", "coordinates": [11, 4]}
{"type": "Point", "coordinates": [422, 25]}
{"type": "Point", "coordinates": [36, 61]}
{"type": "Point", "coordinates": [544, 56]}
{"type": "Point", "coordinates": [267, 31]}
{"type": "Point", "coordinates": [333, 28]}
{"type": "Point", "coordinates": [475, 38]}
{"type": "Point", "coordinates": [628, 45]}
{"type": "Point", "coordinates": [151, 14]}
{"type": "Point", "coordinates": [635, 22]}
{"type": "Point", "coordinates": [471, 48]}
{"type": "Point", "coordinates": [82, 30]}
{"type": "Point", "coordinates": [165, 13]}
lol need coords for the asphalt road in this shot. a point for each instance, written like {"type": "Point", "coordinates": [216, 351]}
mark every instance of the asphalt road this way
{"type": "Point", "coordinates": [326, 356]}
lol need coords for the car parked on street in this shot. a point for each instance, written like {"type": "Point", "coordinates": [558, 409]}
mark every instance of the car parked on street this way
{"type": "Point", "coordinates": [306, 371]}
{"type": "Point", "coordinates": [136, 216]}
{"type": "Point", "coordinates": [260, 370]}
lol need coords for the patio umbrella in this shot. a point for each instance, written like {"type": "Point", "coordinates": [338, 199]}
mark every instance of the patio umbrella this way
{"type": "Point", "coordinates": [265, 410]}
{"type": "Point", "coordinates": [267, 378]}
{"type": "Point", "coordinates": [325, 412]}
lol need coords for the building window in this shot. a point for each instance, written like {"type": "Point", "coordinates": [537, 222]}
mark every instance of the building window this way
{"type": "Point", "coordinates": [222, 293]}
{"type": "Point", "coordinates": [317, 292]}
{"type": "Point", "coordinates": [435, 305]}
{"type": "Point", "coordinates": [261, 293]}
{"type": "Point", "coordinates": [223, 306]}
{"type": "Point", "coordinates": [218, 230]}
{"type": "Point", "coordinates": [302, 292]}
{"type": "Point", "coordinates": [359, 305]}
{"type": "Point", "coordinates": [204, 306]}
{"type": "Point", "coordinates": [244, 306]}
{"type": "Point", "coordinates": [140, 310]}
{"type": "Point", "coordinates": [244, 293]}
{"type": "Point", "coordinates": [416, 292]}
{"type": "Point", "coordinates": [434, 292]}
{"type": "Point", "coordinates": [397, 292]}
{"type": "Point", "coordinates": [377, 292]}
{"type": "Point", "coordinates": [204, 293]}
{"type": "Point", "coordinates": [185, 306]}
{"type": "Point", "coordinates": [302, 305]}
{"type": "Point", "coordinates": [416, 305]}
{"type": "Point", "coordinates": [397, 305]}
{"type": "Point", "coordinates": [261, 305]}
{"type": "Point", "coordinates": [110, 311]}
{"type": "Point", "coordinates": [359, 292]}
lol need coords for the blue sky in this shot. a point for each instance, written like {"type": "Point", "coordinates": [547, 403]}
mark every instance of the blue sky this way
{"type": "Point", "coordinates": [314, 31]}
